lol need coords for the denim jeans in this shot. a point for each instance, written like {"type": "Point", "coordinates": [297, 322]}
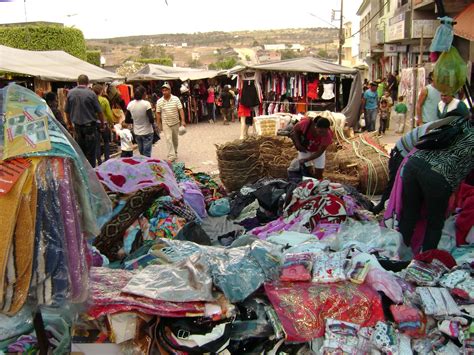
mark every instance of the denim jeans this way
{"type": "Point", "coordinates": [423, 186]}
{"type": "Point", "coordinates": [145, 143]}
{"type": "Point", "coordinates": [370, 119]}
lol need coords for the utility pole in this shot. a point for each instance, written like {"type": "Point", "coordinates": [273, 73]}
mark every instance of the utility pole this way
{"type": "Point", "coordinates": [341, 33]}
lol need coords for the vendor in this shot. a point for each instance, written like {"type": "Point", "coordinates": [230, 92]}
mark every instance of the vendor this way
{"type": "Point", "coordinates": [311, 138]}
{"type": "Point", "coordinates": [450, 106]}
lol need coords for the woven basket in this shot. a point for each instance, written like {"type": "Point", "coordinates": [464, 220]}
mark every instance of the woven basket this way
{"type": "Point", "coordinates": [378, 184]}
{"type": "Point", "coordinates": [342, 178]}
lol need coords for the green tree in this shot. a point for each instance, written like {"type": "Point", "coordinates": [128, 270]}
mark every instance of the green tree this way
{"type": "Point", "coordinates": [93, 57]}
{"type": "Point", "coordinates": [161, 61]}
{"type": "Point", "coordinates": [194, 63]}
{"type": "Point", "coordinates": [289, 54]}
{"type": "Point", "coordinates": [225, 63]}
{"type": "Point", "coordinates": [247, 58]}
{"type": "Point", "coordinates": [323, 54]}
{"type": "Point", "coordinates": [45, 38]}
{"type": "Point", "coordinates": [255, 43]}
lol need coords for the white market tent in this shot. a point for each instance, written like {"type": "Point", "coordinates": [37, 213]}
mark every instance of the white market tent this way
{"type": "Point", "coordinates": [162, 72]}
{"type": "Point", "coordinates": [51, 65]}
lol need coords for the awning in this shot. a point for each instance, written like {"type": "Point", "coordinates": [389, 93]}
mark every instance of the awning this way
{"type": "Point", "coordinates": [163, 72]}
{"type": "Point", "coordinates": [50, 65]}
{"type": "Point", "coordinates": [464, 27]}
{"type": "Point", "coordinates": [304, 65]}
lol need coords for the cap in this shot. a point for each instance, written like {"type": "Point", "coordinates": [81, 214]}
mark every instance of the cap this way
{"type": "Point", "coordinates": [166, 86]}
{"type": "Point", "coordinates": [373, 83]}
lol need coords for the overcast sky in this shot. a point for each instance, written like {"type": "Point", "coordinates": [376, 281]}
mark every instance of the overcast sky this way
{"type": "Point", "coordinates": [109, 18]}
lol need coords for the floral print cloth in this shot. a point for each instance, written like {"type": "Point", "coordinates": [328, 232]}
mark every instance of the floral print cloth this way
{"type": "Point", "coordinates": [128, 175]}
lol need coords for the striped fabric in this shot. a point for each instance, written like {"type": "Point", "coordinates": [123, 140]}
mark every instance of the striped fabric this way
{"type": "Point", "coordinates": [169, 110]}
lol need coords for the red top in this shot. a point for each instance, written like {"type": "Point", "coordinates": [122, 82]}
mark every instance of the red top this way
{"type": "Point", "coordinates": [314, 141]}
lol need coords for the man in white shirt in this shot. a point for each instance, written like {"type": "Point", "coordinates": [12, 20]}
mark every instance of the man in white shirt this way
{"type": "Point", "coordinates": [169, 113]}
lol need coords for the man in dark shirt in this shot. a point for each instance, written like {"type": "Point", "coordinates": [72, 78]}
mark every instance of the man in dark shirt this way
{"type": "Point", "coordinates": [83, 109]}
{"type": "Point", "coordinates": [226, 104]}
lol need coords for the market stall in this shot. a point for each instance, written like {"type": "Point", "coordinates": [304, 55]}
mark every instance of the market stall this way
{"type": "Point", "coordinates": [303, 84]}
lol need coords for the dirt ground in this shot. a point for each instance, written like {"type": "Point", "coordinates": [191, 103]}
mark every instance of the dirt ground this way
{"type": "Point", "coordinates": [197, 148]}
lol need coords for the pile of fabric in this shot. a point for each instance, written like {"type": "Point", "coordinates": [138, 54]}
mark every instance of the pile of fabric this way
{"type": "Point", "coordinates": [50, 203]}
{"type": "Point", "coordinates": [308, 270]}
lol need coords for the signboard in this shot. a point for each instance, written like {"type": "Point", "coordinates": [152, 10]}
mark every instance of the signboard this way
{"type": "Point", "coordinates": [396, 31]}
{"type": "Point", "coordinates": [429, 28]}
{"type": "Point", "coordinates": [397, 18]}
{"type": "Point", "coordinates": [390, 48]}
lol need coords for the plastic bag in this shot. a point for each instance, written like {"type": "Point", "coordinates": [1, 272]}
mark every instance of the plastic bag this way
{"type": "Point", "coordinates": [443, 38]}
{"type": "Point", "coordinates": [450, 72]}
{"type": "Point", "coordinates": [297, 267]}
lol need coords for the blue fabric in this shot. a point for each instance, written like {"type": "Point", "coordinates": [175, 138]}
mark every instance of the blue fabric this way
{"type": "Point", "coordinates": [145, 143]}
{"type": "Point", "coordinates": [443, 38]}
{"type": "Point", "coordinates": [371, 99]}
{"type": "Point", "coordinates": [219, 208]}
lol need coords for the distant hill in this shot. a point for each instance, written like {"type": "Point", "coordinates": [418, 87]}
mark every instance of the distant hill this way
{"type": "Point", "coordinates": [119, 49]}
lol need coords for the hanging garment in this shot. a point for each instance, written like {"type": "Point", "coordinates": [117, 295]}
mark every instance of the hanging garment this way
{"type": "Point", "coordinates": [124, 92]}
{"type": "Point", "coordinates": [249, 96]}
{"type": "Point", "coordinates": [313, 90]}
{"type": "Point", "coordinates": [328, 93]}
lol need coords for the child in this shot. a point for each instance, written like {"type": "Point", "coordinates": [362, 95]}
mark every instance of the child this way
{"type": "Point", "coordinates": [401, 109]}
{"type": "Point", "coordinates": [126, 145]}
{"type": "Point", "coordinates": [384, 112]}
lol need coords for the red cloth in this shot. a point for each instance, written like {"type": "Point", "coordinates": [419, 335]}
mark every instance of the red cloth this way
{"type": "Point", "coordinates": [313, 90]}
{"type": "Point", "coordinates": [441, 255]}
{"type": "Point", "coordinates": [123, 89]}
{"type": "Point", "coordinates": [465, 218]}
{"type": "Point", "coordinates": [303, 307]}
{"type": "Point", "coordinates": [243, 111]}
{"type": "Point", "coordinates": [314, 141]}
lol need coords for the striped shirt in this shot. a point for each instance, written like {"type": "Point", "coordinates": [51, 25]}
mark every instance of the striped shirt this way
{"type": "Point", "coordinates": [169, 110]}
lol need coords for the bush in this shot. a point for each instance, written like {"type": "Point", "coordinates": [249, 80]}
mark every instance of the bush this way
{"type": "Point", "coordinates": [162, 61]}
{"type": "Point", "coordinates": [45, 38]}
{"type": "Point", "coordinates": [93, 57]}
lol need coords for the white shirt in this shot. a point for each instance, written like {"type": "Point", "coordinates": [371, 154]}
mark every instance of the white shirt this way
{"type": "Point", "coordinates": [125, 135]}
{"type": "Point", "coordinates": [169, 110]}
{"type": "Point", "coordinates": [141, 124]}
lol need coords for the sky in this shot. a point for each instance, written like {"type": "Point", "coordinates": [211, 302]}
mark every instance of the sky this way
{"type": "Point", "coordinates": [115, 18]}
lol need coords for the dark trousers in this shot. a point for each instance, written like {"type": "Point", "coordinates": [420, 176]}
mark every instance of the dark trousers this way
{"type": "Point", "coordinates": [394, 163]}
{"type": "Point", "coordinates": [126, 153]}
{"type": "Point", "coordinates": [86, 137]}
{"type": "Point", "coordinates": [383, 125]}
{"type": "Point", "coordinates": [423, 186]}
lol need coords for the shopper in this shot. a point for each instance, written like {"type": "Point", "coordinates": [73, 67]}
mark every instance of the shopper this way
{"type": "Point", "coordinates": [384, 116]}
{"type": "Point", "coordinates": [83, 109]}
{"type": "Point", "coordinates": [427, 103]}
{"type": "Point", "coordinates": [106, 133]}
{"type": "Point", "coordinates": [392, 86]}
{"type": "Point", "coordinates": [429, 178]}
{"type": "Point", "coordinates": [450, 106]}
{"type": "Point", "coordinates": [140, 113]}
{"type": "Point", "coordinates": [226, 99]}
{"type": "Point", "coordinates": [52, 101]}
{"type": "Point", "coordinates": [401, 110]}
{"type": "Point", "coordinates": [169, 114]}
{"type": "Point", "coordinates": [311, 138]}
{"type": "Point", "coordinates": [369, 106]}
{"type": "Point", "coordinates": [126, 138]}
{"type": "Point", "coordinates": [210, 103]}
{"type": "Point", "coordinates": [402, 148]}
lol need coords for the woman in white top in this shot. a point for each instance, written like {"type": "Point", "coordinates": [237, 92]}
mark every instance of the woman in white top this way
{"type": "Point", "coordinates": [140, 113]}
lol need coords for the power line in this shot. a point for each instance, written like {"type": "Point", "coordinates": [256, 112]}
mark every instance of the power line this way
{"type": "Point", "coordinates": [370, 20]}
{"type": "Point", "coordinates": [321, 19]}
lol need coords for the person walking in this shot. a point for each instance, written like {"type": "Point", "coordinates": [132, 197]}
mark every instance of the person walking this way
{"type": "Point", "coordinates": [369, 106]}
{"type": "Point", "coordinates": [226, 99]}
{"type": "Point", "coordinates": [401, 110]}
{"type": "Point", "coordinates": [427, 103]}
{"type": "Point", "coordinates": [126, 146]}
{"type": "Point", "coordinates": [210, 103]}
{"type": "Point", "coordinates": [106, 133]}
{"type": "Point", "coordinates": [140, 113]}
{"type": "Point", "coordinates": [52, 101]}
{"type": "Point", "coordinates": [384, 116]}
{"type": "Point", "coordinates": [169, 114]}
{"type": "Point", "coordinates": [83, 109]}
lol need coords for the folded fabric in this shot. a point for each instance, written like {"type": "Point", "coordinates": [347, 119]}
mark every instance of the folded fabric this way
{"type": "Point", "coordinates": [20, 259]}
{"type": "Point", "coordinates": [303, 307]}
{"type": "Point", "coordinates": [296, 267]}
{"type": "Point", "coordinates": [110, 239]}
{"type": "Point", "coordinates": [385, 338]}
{"type": "Point", "coordinates": [424, 274]}
{"type": "Point", "coordinates": [454, 278]}
{"type": "Point", "coordinates": [186, 281]}
{"type": "Point", "coordinates": [339, 336]}
{"type": "Point", "coordinates": [437, 301]}
{"type": "Point", "coordinates": [330, 267]}
{"type": "Point", "coordinates": [129, 175]}
{"type": "Point", "coordinates": [411, 321]}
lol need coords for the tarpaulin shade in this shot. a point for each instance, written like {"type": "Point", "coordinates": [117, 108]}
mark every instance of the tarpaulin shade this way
{"type": "Point", "coordinates": [163, 72]}
{"type": "Point", "coordinates": [50, 65]}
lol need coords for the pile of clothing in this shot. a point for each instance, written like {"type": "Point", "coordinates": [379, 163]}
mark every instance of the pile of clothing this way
{"type": "Point", "coordinates": [51, 203]}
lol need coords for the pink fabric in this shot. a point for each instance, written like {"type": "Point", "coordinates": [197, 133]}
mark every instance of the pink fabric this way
{"type": "Point", "coordinates": [128, 175]}
{"type": "Point", "coordinates": [465, 218]}
{"type": "Point", "coordinates": [106, 297]}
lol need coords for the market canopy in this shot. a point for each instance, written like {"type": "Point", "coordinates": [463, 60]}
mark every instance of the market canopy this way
{"type": "Point", "coordinates": [163, 72]}
{"type": "Point", "coordinates": [50, 65]}
{"type": "Point", "coordinates": [303, 65]}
